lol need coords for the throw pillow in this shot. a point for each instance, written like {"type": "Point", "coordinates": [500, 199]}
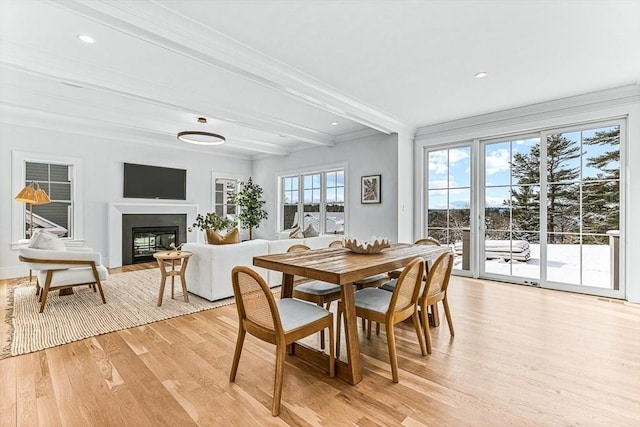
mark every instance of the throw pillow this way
{"type": "Point", "coordinates": [296, 233]}
{"type": "Point", "coordinates": [231, 237]}
{"type": "Point", "coordinates": [310, 231]}
{"type": "Point", "coordinates": [45, 240]}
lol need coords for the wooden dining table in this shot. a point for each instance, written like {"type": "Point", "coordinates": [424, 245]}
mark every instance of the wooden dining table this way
{"type": "Point", "coordinates": [342, 267]}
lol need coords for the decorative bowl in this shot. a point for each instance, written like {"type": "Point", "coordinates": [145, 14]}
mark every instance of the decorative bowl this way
{"type": "Point", "coordinates": [372, 247]}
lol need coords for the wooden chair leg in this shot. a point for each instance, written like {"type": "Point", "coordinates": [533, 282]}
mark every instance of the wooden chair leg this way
{"type": "Point", "coordinates": [425, 327]}
{"type": "Point", "coordinates": [236, 355]}
{"type": "Point", "coordinates": [277, 386]}
{"type": "Point", "coordinates": [322, 331]}
{"type": "Point", "coordinates": [338, 329]}
{"type": "Point", "coordinates": [332, 346]}
{"type": "Point", "coordinates": [393, 357]}
{"type": "Point", "coordinates": [436, 315]}
{"type": "Point", "coordinates": [369, 329]}
{"type": "Point", "coordinates": [416, 325]}
{"type": "Point", "coordinates": [447, 313]}
{"type": "Point", "coordinates": [377, 328]}
{"type": "Point", "coordinates": [45, 290]}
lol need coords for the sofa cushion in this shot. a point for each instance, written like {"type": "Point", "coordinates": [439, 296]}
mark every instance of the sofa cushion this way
{"type": "Point", "coordinates": [296, 233]}
{"type": "Point", "coordinates": [310, 231]}
{"type": "Point", "coordinates": [214, 238]}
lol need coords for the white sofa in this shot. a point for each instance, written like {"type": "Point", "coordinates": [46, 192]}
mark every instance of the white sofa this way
{"type": "Point", "coordinates": [208, 273]}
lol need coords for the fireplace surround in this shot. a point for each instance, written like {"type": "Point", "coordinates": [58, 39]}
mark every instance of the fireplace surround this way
{"type": "Point", "coordinates": [117, 211]}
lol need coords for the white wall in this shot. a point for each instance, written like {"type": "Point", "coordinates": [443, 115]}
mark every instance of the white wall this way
{"type": "Point", "coordinates": [370, 155]}
{"type": "Point", "coordinates": [617, 103]}
{"type": "Point", "coordinates": [102, 177]}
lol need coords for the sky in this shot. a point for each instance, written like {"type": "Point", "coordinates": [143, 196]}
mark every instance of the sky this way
{"type": "Point", "coordinates": [449, 170]}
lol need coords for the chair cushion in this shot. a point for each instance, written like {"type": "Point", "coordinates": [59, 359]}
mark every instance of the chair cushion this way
{"type": "Point", "coordinates": [310, 231]}
{"type": "Point", "coordinates": [371, 279]}
{"type": "Point", "coordinates": [295, 313]}
{"type": "Point", "coordinates": [391, 286]}
{"type": "Point", "coordinates": [318, 288]}
{"type": "Point", "coordinates": [72, 276]}
{"type": "Point", "coordinates": [374, 299]}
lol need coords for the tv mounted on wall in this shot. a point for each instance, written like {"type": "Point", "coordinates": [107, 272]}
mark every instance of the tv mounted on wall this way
{"type": "Point", "coordinates": [154, 182]}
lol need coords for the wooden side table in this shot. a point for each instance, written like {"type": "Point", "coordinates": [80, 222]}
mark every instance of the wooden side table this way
{"type": "Point", "coordinates": [175, 258]}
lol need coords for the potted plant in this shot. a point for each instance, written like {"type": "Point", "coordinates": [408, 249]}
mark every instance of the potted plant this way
{"type": "Point", "coordinates": [211, 222]}
{"type": "Point", "coordinates": [250, 202]}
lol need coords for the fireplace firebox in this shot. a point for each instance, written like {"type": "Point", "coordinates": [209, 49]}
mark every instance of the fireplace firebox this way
{"type": "Point", "coordinates": [145, 234]}
{"type": "Point", "coordinates": [149, 240]}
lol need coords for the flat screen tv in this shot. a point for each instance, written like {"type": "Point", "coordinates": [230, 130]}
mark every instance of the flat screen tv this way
{"type": "Point", "coordinates": [154, 182]}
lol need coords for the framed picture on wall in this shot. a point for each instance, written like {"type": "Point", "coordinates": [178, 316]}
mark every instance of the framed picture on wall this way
{"type": "Point", "coordinates": [370, 192]}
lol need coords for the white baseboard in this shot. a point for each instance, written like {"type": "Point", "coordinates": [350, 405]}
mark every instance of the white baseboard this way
{"type": "Point", "coordinates": [13, 272]}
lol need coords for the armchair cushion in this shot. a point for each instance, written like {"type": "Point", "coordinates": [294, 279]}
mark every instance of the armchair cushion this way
{"type": "Point", "coordinates": [73, 275]}
{"type": "Point", "coordinates": [45, 240]}
{"type": "Point", "coordinates": [55, 255]}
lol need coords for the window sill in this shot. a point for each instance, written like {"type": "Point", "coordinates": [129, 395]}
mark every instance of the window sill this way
{"type": "Point", "coordinates": [23, 243]}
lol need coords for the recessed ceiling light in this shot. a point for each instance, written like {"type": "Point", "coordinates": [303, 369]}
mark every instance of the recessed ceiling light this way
{"type": "Point", "coordinates": [86, 38]}
{"type": "Point", "coordinates": [201, 138]}
{"type": "Point", "coordinates": [481, 75]}
{"type": "Point", "coordinates": [334, 123]}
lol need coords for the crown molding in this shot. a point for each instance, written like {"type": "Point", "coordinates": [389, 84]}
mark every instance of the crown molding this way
{"type": "Point", "coordinates": [592, 101]}
{"type": "Point", "coordinates": [158, 24]}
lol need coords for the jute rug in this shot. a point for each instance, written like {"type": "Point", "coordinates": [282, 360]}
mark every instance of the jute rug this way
{"type": "Point", "coordinates": [131, 301]}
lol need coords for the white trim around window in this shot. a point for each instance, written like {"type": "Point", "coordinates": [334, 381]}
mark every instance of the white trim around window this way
{"type": "Point", "coordinates": [18, 174]}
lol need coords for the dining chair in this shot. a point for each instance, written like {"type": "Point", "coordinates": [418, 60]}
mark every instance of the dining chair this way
{"type": "Point", "coordinates": [316, 291]}
{"type": "Point", "coordinates": [367, 282]}
{"type": "Point", "coordinates": [427, 242]}
{"type": "Point", "coordinates": [336, 244]}
{"type": "Point", "coordinates": [396, 273]}
{"type": "Point", "coordinates": [435, 290]}
{"type": "Point", "coordinates": [280, 322]}
{"type": "Point", "coordinates": [378, 305]}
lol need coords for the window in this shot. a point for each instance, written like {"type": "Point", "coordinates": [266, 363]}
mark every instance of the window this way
{"type": "Point", "coordinates": [57, 216]}
{"type": "Point", "coordinates": [321, 204]}
{"type": "Point", "coordinates": [226, 190]}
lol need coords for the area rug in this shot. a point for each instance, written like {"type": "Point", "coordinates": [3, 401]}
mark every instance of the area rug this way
{"type": "Point", "coordinates": [131, 301]}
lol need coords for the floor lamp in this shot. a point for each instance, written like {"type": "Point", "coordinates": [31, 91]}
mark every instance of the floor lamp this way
{"type": "Point", "coordinates": [33, 195]}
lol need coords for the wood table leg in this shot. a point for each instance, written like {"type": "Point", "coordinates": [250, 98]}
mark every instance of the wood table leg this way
{"type": "Point", "coordinates": [183, 269]}
{"type": "Point", "coordinates": [173, 277]}
{"type": "Point", "coordinates": [351, 334]}
{"type": "Point", "coordinates": [287, 292]}
{"type": "Point", "coordinates": [163, 279]}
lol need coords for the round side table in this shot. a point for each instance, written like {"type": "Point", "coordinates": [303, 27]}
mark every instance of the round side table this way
{"type": "Point", "coordinates": [175, 259]}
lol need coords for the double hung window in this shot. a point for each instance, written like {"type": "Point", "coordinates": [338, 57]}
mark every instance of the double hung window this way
{"type": "Point", "coordinates": [315, 200]}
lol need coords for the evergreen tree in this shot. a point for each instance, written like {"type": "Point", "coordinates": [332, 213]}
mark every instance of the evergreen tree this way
{"type": "Point", "coordinates": [562, 194]}
{"type": "Point", "coordinates": [601, 194]}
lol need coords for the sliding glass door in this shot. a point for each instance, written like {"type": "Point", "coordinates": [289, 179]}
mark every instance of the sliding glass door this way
{"type": "Point", "coordinates": [552, 209]}
{"type": "Point", "coordinates": [548, 207]}
{"type": "Point", "coordinates": [510, 244]}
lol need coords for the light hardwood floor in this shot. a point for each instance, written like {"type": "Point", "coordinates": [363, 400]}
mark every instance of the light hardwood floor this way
{"type": "Point", "coordinates": [521, 356]}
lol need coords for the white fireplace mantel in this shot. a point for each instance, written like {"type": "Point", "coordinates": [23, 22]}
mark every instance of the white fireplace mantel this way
{"type": "Point", "coordinates": [116, 210]}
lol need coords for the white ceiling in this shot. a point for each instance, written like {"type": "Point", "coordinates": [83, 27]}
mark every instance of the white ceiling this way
{"type": "Point", "coordinates": [273, 75]}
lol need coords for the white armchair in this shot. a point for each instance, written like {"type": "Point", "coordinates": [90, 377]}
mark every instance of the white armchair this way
{"type": "Point", "coordinates": [64, 269]}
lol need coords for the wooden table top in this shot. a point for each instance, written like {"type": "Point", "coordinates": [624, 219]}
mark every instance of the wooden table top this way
{"type": "Point", "coordinates": [341, 266]}
{"type": "Point", "coordinates": [172, 255]}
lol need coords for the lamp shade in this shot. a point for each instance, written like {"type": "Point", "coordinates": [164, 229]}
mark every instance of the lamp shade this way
{"type": "Point", "coordinates": [27, 195]}
{"type": "Point", "coordinates": [42, 198]}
